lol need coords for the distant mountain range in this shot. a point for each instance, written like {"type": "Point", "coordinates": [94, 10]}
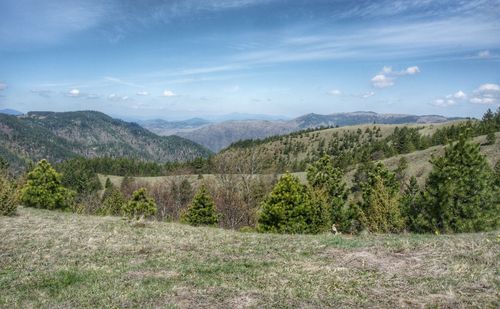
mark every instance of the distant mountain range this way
{"type": "Point", "coordinates": [217, 136]}
{"type": "Point", "coordinates": [9, 111]}
{"type": "Point", "coordinates": [58, 136]}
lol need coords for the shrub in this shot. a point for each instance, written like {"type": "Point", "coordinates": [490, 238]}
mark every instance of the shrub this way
{"type": "Point", "coordinates": [459, 193]}
{"type": "Point", "coordinates": [202, 210]}
{"type": "Point", "coordinates": [8, 201]}
{"type": "Point", "coordinates": [140, 205]}
{"type": "Point", "coordinates": [292, 208]}
{"type": "Point", "coordinates": [43, 189]}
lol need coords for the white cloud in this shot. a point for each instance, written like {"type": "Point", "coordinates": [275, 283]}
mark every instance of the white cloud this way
{"type": "Point", "coordinates": [386, 70]}
{"type": "Point", "coordinates": [450, 99]}
{"type": "Point", "coordinates": [486, 94]}
{"type": "Point", "coordinates": [489, 88]}
{"type": "Point", "coordinates": [74, 92]}
{"type": "Point", "coordinates": [335, 92]}
{"type": "Point", "coordinates": [484, 54]}
{"type": "Point", "coordinates": [412, 70]}
{"type": "Point", "coordinates": [460, 95]}
{"type": "Point", "coordinates": [168, 93]}
{"type": "Point", "coordinates": [112, 96]}
{"type": "Point", "coordinates": [387, 76]}
{"type": "Point", "coordinates": [3, 86]}
{"type": "Point", "coordinates": [382, 81]}
{"type": "Point", "coordinates": [142, 93]}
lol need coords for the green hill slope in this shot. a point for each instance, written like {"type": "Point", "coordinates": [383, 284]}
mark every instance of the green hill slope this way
{"type": "Point", "coordinates": [58, 136]}
{"type": "Point", "coordinates": [294, 151]}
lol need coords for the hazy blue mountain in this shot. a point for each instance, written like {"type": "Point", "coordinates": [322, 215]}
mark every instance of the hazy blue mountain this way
{"type": "Point", "coordinates": [9, 111]}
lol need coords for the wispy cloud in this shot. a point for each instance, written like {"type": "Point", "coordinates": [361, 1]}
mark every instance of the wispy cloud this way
{"type": "Point", "coordinates": [3, 86]}
{"type": "Point", "coordinates": [42, 93]}
{"type": "Point", "coordinates": [484, 54]}
{"type": "Point", "coordinates": [122, 82]}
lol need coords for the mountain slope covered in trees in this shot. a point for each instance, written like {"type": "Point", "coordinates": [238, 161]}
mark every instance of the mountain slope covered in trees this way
{"type": "Point", "coordinates": [58, 136]}
{"type": "Point", "coordinates": [220, 135]}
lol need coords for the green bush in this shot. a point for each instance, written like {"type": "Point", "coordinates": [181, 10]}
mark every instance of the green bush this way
{"type": "Point", "coordinates": [8, 201]}
{"type": "Point", "coordinates": [292, 208]}
{"type": "Point", "coordinates": [140, 205]}
{"type": "Point", "coordinates": [460, 193]}
{"type": "Point", "coordinates": [202, 210]}
{"type": "Point", "coordinates": [43, 189]}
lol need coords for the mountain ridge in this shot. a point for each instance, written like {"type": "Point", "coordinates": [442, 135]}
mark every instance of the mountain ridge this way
{"type": "Point", "coordinates": [59, 136]}
{"type": "Point", "coordinates": [217, 136]}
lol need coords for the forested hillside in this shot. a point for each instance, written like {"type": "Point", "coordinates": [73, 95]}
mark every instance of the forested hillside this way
{"type": "Point", "coordinates": [59, 136]}
{"type": "Point", "coordinates": [220, 135]}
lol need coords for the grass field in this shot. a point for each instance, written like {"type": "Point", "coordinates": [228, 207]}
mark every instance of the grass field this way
{"type": "Point", "coordinates": [60, 260]}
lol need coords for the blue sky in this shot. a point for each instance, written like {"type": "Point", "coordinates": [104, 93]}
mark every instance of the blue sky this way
{"type": "Point", "coordinates": [177, 59]}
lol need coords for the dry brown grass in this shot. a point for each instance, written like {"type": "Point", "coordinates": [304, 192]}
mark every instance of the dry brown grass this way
{"type": "Point", "coordinates": [61, 260]}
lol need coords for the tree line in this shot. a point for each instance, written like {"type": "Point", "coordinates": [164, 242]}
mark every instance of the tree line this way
{"type": "Point", "coordinates": [461, 194]}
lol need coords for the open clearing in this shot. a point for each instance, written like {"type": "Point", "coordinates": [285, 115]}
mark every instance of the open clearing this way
{"type": "Point", "coordinates": [59, 260]}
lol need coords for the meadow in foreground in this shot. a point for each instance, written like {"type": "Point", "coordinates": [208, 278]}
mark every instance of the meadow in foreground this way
{"type": "Point", "coordinates": [58, 259]}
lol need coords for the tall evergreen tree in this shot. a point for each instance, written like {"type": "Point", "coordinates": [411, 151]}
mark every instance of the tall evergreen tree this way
{"type": "Point", "coordinates": [43, 189]}
{"type": "Point", "coordinates": [380, 209]}
{"type": "Point", "coordinates": [323, 176]}
{"type": "Point", "coordinates": [459, 193]}
{"type": "Point", "coordinates": [112, 203]}
{"type": "Point", "coordinates": [8, 201]}
{"type": "Point", "coordinates": [202, 210]}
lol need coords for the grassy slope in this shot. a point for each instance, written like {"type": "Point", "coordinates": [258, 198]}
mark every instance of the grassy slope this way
{"type": "Point", "coordinates": [418, 164]}
{"type": "Point", "coordinates": [54, 259]}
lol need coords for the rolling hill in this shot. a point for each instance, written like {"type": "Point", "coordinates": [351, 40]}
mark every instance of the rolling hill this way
{"type": "Point", "coordinates": [58, 136]}
{"type": "Point", "coordinates": [217, 136]}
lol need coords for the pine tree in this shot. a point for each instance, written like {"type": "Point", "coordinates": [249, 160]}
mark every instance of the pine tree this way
{"type": "Point", "coordinates": [113, 202]}
{"type": "Point", "coordinates": [380, 208]}
{"type": "Point", "coordinates": [8, 201]}
{"type": "Point", "coordinates": [202, 210]}
{"type": "Point", "coordinates": [43, 189]}
{"type": "Point", "coordinates": [410, 204]}
{"type": "Point", "coordinates": [324, 177]}
{"type": "Point", "coordinates": [292, 208]}
{"type": "Point", "coordinates": [140, 205]}
{"type": "Point", "coordinates": [459, 193]}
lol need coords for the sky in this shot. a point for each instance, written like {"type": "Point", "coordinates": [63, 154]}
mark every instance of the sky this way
{"type": "Point", "coordinates": [176, 59]}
